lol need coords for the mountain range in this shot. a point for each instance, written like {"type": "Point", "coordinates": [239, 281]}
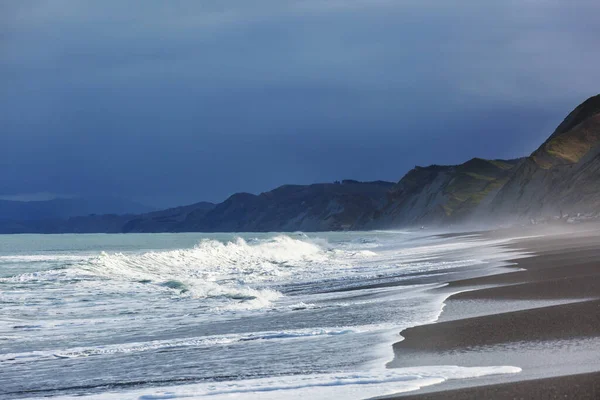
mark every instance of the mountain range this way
{"type": "Point", "coordinates": [68, 207]}
{"type": "Point", "coordinates": [558, 180]}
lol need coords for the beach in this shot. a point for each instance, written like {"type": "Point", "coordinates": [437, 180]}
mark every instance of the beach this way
{"type": "Point", "coordinates": [242, 315]}
{"type": "Point", "coordinates": [490, 314]}
{"type": "Point", "coordinates": [543, 317]}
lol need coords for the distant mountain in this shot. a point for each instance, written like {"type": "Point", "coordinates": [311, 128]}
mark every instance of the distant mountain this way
{"type": "Point", "coordinates": [175, 219]}
{"type": "Point", "coordinates": [562, 177]}
{"type": "Point", "coordinates": [103, 223]}
{"type": "Point", "coordinates": [319, 207]}
{"type": "Point", "coordinates": [68, 207]}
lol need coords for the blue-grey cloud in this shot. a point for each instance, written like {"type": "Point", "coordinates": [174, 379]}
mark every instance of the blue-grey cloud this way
{"type": "Point", "coordinates": [187, 100]}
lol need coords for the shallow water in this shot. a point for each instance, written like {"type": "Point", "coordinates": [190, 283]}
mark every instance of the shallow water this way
{"type": "Point", "coordinates": [222, 315]}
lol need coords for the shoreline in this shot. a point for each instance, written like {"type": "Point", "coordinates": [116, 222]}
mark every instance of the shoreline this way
{"type": "Point", "coordinates": [542, 314]}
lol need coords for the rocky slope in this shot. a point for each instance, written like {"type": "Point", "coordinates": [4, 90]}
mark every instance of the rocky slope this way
{"type": "Point", "coordinates": [562, 176]}
{"type": "Point", "coordinates": [443, 194]}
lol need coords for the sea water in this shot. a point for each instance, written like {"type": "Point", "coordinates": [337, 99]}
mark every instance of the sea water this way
{"type": "Point", "coordinates": [269, 316]}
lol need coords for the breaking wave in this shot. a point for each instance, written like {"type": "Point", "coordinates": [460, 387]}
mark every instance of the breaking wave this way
{"type": "Point", "coordinates": [213, 260]}
{"type": "Point", "coordinates": [238, 271]}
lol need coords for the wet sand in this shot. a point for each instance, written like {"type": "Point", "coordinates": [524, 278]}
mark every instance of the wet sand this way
{"type": "Point", "coordinates": [543, 317]}
{"type": "Point", "coordinates": [580, 387]}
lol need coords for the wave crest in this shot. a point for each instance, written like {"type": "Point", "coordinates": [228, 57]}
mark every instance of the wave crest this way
{"type": "Point", "coordinates": [214, 269]}
{"type": "Point", "coordinates": [238, 272]}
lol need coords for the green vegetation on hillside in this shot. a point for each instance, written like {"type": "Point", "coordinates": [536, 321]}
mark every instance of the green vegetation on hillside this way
{"type": "Point", "coordinates": [472, 183]}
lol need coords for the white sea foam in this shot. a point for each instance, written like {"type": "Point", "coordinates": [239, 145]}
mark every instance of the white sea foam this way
{"type": "Point", "coordinates": [212, 269]}
{"type": "Point", "coordinates": [209, 270]}
{"type": "Point", "coordinates": [161, 306]}
{"type": "Point", "coordinates": [349, 386]}
{"type": "Point", "coordinates": [196, 342]}
{"type": "Point", "coordinates": [40, 258]}
{"type": "Point", "coordinates": [239, 274]}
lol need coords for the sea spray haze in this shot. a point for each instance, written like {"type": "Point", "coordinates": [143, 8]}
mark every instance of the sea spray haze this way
{"type": "Point", "coordinates": [197, 314]}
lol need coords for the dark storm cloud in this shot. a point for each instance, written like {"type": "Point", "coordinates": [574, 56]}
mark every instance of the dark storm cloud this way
{"type": "Point", "coordinates": [180, 101]}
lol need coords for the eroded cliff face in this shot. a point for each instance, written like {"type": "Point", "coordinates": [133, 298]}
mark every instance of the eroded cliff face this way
{"type": "Point", "coordinates": [444, 194]}
{"type": "Point", "coordinates": [562, 176]}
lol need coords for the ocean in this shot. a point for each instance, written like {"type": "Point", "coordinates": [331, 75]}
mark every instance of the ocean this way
{"type": "Point", "coordinates": [247, 315]}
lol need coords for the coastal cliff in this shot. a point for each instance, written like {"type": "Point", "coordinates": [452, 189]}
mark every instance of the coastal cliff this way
{"type": "Point", "coordinates": [561, 179]}
{"type": "Point", "coordinates": [444, 194]}
{"type": "Point", "coordinates": [562, 176]}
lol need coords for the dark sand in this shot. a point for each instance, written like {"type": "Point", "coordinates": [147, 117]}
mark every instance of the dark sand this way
{"type": "Point", "coordinates": [544, 319]}
{"type": "Point", "coordinates": [581, 387]}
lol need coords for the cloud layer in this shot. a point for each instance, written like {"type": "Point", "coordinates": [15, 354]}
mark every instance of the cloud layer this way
{"type": "Point", "coordinates": [180, 101]}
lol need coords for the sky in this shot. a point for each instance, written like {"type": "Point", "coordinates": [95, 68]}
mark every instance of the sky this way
{"type": "Point", "coordinates": [173, 102]}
